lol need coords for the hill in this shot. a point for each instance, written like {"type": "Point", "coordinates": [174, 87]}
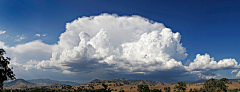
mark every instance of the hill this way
{"type": "Point", "coordinates": [20, 84]}
{"type": "Point", "coordinates": [130, 81]}
{"type": "Point", "coordinates": [189, 82]}
{"type": "Point", "coordinates": [51, 82]}
{"type": "Point", "coordinates": [129, 85]}
{"type": "Point", "coordinates": [203, 81]}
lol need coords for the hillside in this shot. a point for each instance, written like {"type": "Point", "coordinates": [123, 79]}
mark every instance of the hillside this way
{"type": "Point", "coordinates": [130, 81]}
{"type": "Point", "coordinates": [51, 82]}
{"type": "Point", "coordinates": [129, 85]}
{"type": "Point", "coordinates": [189, 82]}
{"type": "Point", "coordinates": [20, 84]}
{"type": "Point", "coordinates": [203, 81]}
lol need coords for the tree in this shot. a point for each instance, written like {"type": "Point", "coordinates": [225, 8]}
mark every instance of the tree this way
{"type": "Point", "coordinates": [167, 89]}
{"type": "Point", "coordinates": [156, 90]}
{"type": "Point", "coordinates": [213, 85]}
{"type": "Point", "coordinates": [105, 89]}
{"type": "Point", "coordinates": [219, 90]}
{"type": "Point", "coordinates": [143, 88]}
{"type": "Point", "coordinates": [6, 72]}
{"type": "Point", "coordinates": [220, 84]}
{"type": "Point", "coordinates": [225, 80]}
{"type": "Point", "coordinates": [181, 86]}
{"type": "Point", "coordinates": [201, 90]}
{"type": "Point", "coordinates": [210, 85]}
{"type": "Point", "coordinates": [121, 90]}
{"type": "Point", "coordinates": [190, 90]}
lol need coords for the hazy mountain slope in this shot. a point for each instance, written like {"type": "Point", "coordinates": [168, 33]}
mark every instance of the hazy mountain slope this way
{"type": "Point", "coordinates": [95, 80]}
{"type": "Point", "coordinates": [51, 82]}
{"type": "Point", "coordinates": [203, 81]}
{"type": "Point", "coordinates": [20, 84]}
{"type": "Point", "coordinates": [131, 81]}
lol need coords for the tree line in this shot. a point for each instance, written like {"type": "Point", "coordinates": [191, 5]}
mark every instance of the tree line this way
{"type": "Point", "coordinates": [210, 85]}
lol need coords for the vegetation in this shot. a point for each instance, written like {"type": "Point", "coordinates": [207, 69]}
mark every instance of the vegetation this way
{"type": "Point", "coordinates": [225, 80]}
{"type": "Point", "coordinates": [181, 86]}
{"type": "Point", "coordinates": [121, 90]}
{"type": "Point", "coordinates": [143, 88]}
{"type": "Point", "coordinates": [6, 72]}
{"type": "Point", "coordinates": [156, 90]}
{"type": "Point", "coordinates": [210, 85]}
{"type": "Point", "coordinates": [213, 85]}
{"type": "Point", "coordinates": [191, 90]}
{"type": "Point", "coordinates": [105, 89]}
{"type": "Point", "coordinates": [167, 89]}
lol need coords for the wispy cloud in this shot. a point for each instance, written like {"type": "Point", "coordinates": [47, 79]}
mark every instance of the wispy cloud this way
{"type": "Point", "coordinates": [234, 71]}
{"type": "Point", "coordinates": [40, 35]}
{"type": "Point", "coordinates": [19, 38]}
{"type": "Point", "coordinates": [37, 35]}
{"type": "Point", "coordinates": [238, 74]}
{"type": "Point", "coordinates": [2, 32]}
{"type": "Point", "coordinates": [44, 35]}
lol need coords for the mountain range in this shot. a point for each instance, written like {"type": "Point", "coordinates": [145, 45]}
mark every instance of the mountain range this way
{"type": "Point", "coordinates": [51, 82]}
{"type": "Point", "coordinates": [20, 84]}
{"type": "Point", "coordinates": [130, 81]}
{"type": "Point", "coordinates": [204, 80]}
{"type": "Point", "coordinates": [23, 84]}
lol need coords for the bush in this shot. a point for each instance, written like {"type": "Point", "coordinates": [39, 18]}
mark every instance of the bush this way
{"type": "Point", "coordinates": [155, 90]}
{"type": "Point", "coordinates": [190, 90]}
{"type": "Point", "coordinates": [143, 88]}
{"type": "Point", "coordinates": [167, 89]}
{"type": "Point", "coordinates": [121, 91]}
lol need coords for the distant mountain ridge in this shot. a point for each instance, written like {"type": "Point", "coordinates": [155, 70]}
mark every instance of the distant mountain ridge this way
{"type": "Point", "coordinates": [95, 80]}
{"type": "Point", "coordinates": [203, 81]}
{"type": "Point", "coordinates": [23, 84]}
{"type": "Point", "coordinates": [130, 81]}
{"type": "Point", "coordinates": [20, 84]}
{"type": "Point", "coordinates": [51, 82]}
{"type": "Point", "coordinates": [190, 82]}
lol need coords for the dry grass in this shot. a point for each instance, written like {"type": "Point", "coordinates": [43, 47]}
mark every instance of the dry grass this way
{"type": "Point", "coordinates": [130, 88]}
{"type": "Point", "coordinates": [115, 87]}
{"type": "Point", "coordinates": [234, 85]}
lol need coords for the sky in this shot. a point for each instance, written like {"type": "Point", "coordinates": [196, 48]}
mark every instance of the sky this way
{"type": "Point", "coordinates": [82, 40]}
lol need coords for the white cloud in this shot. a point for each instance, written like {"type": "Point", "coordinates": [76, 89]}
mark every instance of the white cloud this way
{"type": "Point", "coordinates": [143, 44]}
{"type": "Point", "coordinates": [7, 36]}
{"type": "Point", "coordinates": [122, 44]}
{"type": "Point", "coordinates": [204, 66]}
{"type": "Point", "coordinates": [27, 52]}
{"type": "Point", "coordinates": [38, 35]}
{"type": "Point", "coordinates": [234, 71]}
{"type": "Point", "coordinates": [156, 49]}
{"type": "Point", "coordinates": [2, 32]}
{"type": "Point", "coordinates": [206, 74]}
{"type": "Point", "coordinates": [44, 35]}
{"type": "Point", "coordinates": [19, 38]}
{"type": "Point", "coordinates": [238, 74]}
{"type": "Point", "coordinates": [205, 62]}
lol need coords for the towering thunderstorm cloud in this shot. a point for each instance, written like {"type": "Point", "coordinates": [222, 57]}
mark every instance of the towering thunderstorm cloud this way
{"type": "Point", "coordinates": [117, 44]}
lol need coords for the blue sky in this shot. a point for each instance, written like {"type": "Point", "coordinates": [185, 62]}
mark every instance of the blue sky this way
{"type": "Point", "coordinates": [210, 27]}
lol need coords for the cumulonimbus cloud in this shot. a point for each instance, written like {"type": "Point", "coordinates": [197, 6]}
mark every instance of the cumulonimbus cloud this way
{"type": "Point", "coordinates": [142, 43]}
{"type": "Point", "coordinates": [124, 45]}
